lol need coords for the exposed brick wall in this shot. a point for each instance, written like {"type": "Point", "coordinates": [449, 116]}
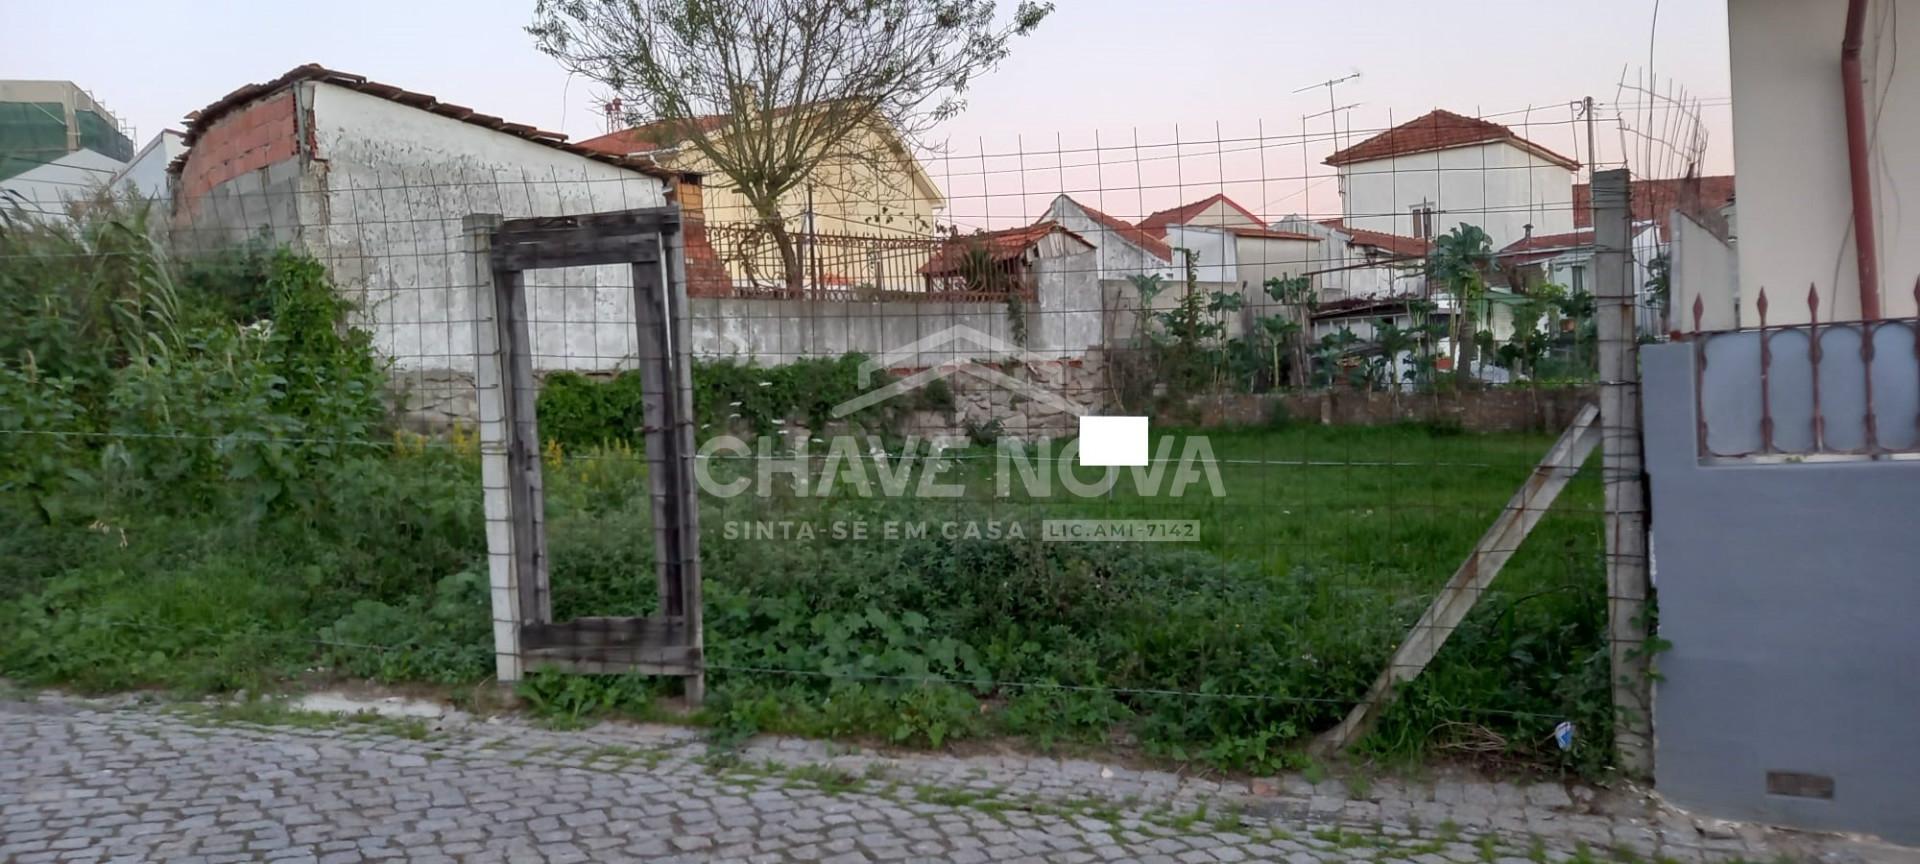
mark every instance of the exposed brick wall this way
{"type": "Point", "coordinates": [260, 134]}
{"type": "Point", "coordinates": [706, 276]}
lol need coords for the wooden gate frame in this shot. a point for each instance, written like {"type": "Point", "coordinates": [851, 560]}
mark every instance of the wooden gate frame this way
{"type": "Point", "coordinates": [669, 642]}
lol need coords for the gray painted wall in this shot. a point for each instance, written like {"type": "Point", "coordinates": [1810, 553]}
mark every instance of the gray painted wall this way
{"type": "Point", "coordinates": [1791, 594]}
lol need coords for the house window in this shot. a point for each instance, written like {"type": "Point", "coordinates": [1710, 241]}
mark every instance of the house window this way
{"type": "Point", "coordinates": [1577, 278]}
{"type": "Point", "coordinates": [1423, 222]}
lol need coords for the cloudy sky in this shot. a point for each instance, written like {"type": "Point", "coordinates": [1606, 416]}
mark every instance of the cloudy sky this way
{"type": "Point", "coordinates": [1131, 76]}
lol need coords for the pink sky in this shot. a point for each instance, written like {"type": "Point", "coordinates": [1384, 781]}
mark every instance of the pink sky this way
{"type": "Point", "coordinates": [1216, 75]}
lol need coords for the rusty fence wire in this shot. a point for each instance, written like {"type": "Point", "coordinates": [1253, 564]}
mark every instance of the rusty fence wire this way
{"type": "Point", "coordinates": [899, 513]}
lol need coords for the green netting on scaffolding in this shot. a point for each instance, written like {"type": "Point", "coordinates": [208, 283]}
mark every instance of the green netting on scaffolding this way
{"type": "Point", "coordinates": [31, 133]}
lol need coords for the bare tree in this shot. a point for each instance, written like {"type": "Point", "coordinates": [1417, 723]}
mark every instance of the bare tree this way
{"type": "Point", "coordinates": [769, 90]}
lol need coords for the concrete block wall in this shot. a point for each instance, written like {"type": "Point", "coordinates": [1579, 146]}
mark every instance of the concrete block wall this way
{"type": "Point", "coordinates": [778, 331]}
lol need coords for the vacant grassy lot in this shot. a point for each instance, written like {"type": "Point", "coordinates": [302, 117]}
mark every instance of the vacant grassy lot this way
{"type": "Point", "coordinates": [1325, 546]}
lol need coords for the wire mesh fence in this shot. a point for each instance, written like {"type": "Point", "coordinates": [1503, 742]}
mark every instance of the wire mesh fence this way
{"type": "Point", "coordinates": [246, 440]}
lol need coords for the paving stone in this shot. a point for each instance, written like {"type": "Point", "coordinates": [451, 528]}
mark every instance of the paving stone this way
{"type": "Point", "coordinates": [82, 780]}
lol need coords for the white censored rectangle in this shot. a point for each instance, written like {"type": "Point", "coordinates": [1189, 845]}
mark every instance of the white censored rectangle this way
{"type": "Point", "coordinates": [1113, 441]}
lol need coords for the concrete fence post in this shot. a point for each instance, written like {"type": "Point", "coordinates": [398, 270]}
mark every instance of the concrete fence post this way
{"type": "Point", "coordinates": [1617, 324]}
{"type": "Point", "coordinates": [490, 375]}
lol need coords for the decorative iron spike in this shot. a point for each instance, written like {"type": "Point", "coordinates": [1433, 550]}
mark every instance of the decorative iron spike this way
{"type": "Point", "coordinates": [1872, 444]}
{"type": "Point", "coordinates": [1700, 308]}
{"type": "Point", "coordinates": [1813, 358]}
{"type": "Point", "coordinates": [1766, 369]}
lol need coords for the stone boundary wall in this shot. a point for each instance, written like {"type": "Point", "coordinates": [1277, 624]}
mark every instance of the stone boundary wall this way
{"type": "Point", "coordinates": [1494, 410]}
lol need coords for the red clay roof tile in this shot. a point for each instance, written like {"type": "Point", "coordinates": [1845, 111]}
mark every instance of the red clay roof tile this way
{"type": "Point", "coordinates": [1129, 232]}
{"type": "Point", "coordinates": [1003, 245]}
{"type": "Point", "coordinates": [199, 121]}
{"type": "Point", "coordinates": [1439, 130]}
{"type": "Point", "coordinates": [1655, 200]}
{"type": "Point", "coordinates": [1156, 224]}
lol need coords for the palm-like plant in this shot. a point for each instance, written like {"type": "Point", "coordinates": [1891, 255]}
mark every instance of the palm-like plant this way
{"type": "Point", "coordinates": [1458, 262]}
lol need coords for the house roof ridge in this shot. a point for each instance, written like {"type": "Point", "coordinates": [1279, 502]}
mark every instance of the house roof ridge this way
{"type": "Point", "coordinates": [1440, 129]}
{"type": "Point", "coordinates": [199, 121]}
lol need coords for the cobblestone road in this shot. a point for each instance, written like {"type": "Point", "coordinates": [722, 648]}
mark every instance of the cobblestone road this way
{"type": "Point", "coordinates": [87, 781]}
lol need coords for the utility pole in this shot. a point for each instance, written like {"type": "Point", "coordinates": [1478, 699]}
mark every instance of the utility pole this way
{"type": "Point", "coordinates": [1616, 323]}
{"type": "Point", "coordinates": [1593, 156]}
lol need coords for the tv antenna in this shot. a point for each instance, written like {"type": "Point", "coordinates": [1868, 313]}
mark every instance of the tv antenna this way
{"type": "Point", "coordinates": [1333, 107]}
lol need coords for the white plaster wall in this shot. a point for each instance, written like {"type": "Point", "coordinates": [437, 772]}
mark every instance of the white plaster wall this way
{"type": "Point", "coordinates": [1789, 138]}
{"type": "Point", "coordinates": [1703, 267]}
{"type": "Point", "coordinates": [1263, 258]}
{"type": "Point", "coordinates": [45, 190]}
{"type": "Point", "coordinates": [1116, 257]}
{"type": "Point", "coordinates": [397, 181]}
{"type": "Point", "coordinates": [146, 175]}
{"type": "Point", "coordinates": [1497, 186]}
{"type": "Point", "coordinates": [772, 332]}
{"type": "Point", "coordinates": [1216, 255]}
{"type": "Point", "coordinates": [1343, 271]}
{"type": "Point", "coordinates": [1069, 316]}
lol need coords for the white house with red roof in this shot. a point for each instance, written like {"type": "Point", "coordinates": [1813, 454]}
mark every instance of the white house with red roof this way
{"type": "Point", "coordinates": [1427, 175]}
{"type": "Point", "coordinates": [1231, 244]}
{"type": "Point", "coordinates": [1122, 249]}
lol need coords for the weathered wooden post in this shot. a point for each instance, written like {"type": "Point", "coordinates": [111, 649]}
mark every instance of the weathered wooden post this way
{"type": "Point", "coordinates": [509, 541]}
{"type": "Point", "coordinates": [526, 636]}
{"type": "Point", "coordinates": [1616, 313]}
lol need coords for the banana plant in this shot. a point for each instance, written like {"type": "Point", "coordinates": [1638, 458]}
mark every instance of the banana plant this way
{"type": "Point", "coordinates": [1281, 332]}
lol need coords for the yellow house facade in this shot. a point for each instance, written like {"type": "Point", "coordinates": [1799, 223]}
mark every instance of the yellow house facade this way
{"type": "Point", "coordinates": [873, 213]}
{"type": "Point", "coordinates": [882, 190]}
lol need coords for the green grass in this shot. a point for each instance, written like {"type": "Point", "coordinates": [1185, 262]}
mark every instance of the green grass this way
{"type": "Point", "coordinates": [1325, 547]}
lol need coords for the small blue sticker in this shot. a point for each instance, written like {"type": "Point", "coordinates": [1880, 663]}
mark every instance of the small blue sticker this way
{"type": "Point", "coordinates": [1563, 735]}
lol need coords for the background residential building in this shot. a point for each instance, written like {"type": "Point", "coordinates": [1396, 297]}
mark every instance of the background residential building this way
{"type": "Point", "coordinates": [1790, 138]}
{"type": "Point", "coordinates": [57, 144]}
{"type": "Point", "coordinates": [1791, 617]}
{"type": "Point", "coordinates": [48, 189]}
{"type": "Point", "coordinates": [1430, 174]}
{"type": "Point", "coordinates": [41, 121]}
{"type": "Point", "coordinates": [885, 190]}
{"type": "Point", "coordinates": [1123, 248]}
{"type": "Point", "coordinates": [146, 174]}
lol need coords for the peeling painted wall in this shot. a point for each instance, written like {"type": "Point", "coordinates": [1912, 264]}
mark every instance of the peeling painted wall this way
{"type": "Point", "coordinates": [1118, 258]}
{"type": "Point", "coordinates": [397, 183]}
